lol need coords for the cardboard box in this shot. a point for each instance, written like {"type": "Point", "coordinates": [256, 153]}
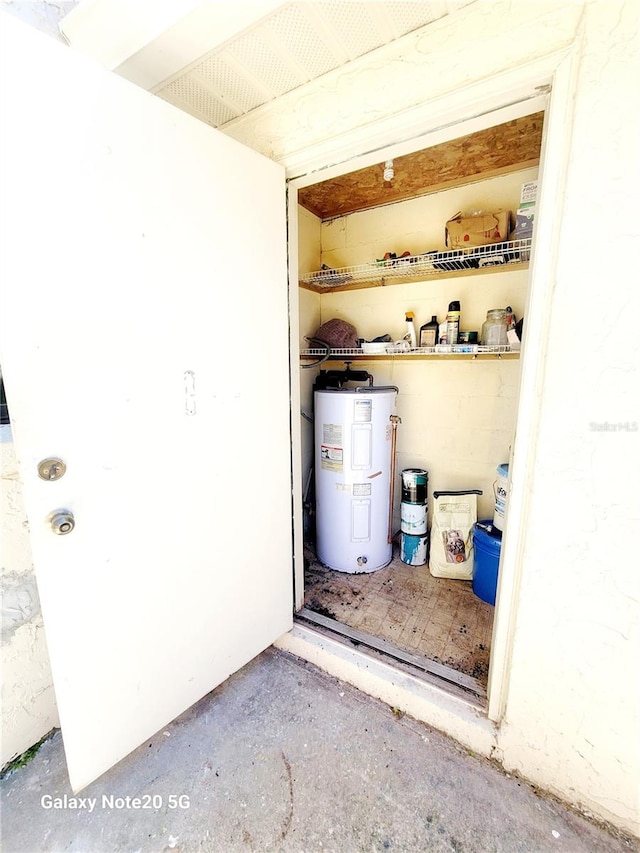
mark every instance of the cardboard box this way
{"type": "Point", "coordinates": [465, 232]}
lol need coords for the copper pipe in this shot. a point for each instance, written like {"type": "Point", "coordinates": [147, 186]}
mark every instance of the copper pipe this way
{"type": "Point", "coordinates": [395, 420]}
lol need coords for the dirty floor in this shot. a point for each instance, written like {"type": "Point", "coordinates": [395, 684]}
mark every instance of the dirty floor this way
{"type": "Point", "coordinates": [285, 758]}
{"type": "Point", "coordinates": [437, 618]}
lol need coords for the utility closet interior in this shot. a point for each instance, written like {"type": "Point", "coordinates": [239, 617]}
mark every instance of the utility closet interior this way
{"type": "Point", "coordinates": [398, 407]}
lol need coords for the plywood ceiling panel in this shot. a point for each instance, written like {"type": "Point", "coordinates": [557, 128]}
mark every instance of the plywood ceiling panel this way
{"type": "Point", "coordinates": [504, 148]}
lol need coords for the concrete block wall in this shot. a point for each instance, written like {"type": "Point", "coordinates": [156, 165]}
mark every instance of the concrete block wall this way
{"type": "Point", "coordinates": [416, 225]}
{"type": "Point", "coordinates": [458, 416]}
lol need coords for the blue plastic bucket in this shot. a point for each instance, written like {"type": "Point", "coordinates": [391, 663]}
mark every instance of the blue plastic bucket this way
{"type": "Point", "coordinates": [485, 564]}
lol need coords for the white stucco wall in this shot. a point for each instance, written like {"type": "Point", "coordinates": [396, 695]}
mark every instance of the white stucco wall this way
{"type": "Point", "coordinates": [43, 15]}
{"type": "Point", "coordinates": [571, 718]}
{"type": "Point", "coordinates": [28, 702]}
{"type": "Point", "coordinates": [572, 712]}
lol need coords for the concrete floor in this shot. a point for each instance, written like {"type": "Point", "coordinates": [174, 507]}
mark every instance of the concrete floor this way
{"type": "Point", "coordinates": [284, 758]}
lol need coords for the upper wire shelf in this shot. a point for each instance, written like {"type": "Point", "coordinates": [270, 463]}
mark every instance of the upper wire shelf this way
{"type": "Point", "coordinates": [419, 266]}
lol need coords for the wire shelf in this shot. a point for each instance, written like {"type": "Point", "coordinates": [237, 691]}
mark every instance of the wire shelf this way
{"type": "Point", "coordinates": [392, 351]}
{"type": "Point", "coordinates": [424, 265]}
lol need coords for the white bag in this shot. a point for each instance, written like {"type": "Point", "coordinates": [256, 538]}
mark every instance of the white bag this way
{"type": "Point", "coordinates": [454, 514]}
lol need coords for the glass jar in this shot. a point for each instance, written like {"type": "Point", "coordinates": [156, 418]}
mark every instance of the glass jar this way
{"type": "Point", "coordinates": [494, 328]}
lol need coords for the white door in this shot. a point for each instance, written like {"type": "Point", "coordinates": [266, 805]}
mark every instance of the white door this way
{"type": "Point", "coordinates": [144, 340]}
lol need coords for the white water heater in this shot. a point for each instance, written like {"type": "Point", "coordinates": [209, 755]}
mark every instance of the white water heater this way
{"type": "Point", "coordinates": [353, 474]}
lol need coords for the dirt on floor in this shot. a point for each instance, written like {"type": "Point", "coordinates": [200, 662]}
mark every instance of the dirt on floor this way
{"type": "Point", "coordinates": [437, 618]}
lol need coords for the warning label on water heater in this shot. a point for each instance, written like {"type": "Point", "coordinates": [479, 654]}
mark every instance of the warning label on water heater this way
{"type": "Point", "coordinates": [331, 450]}
{"type": "Point", "coordinates": [332, 434]}
{"type": "Point", "coordinates": [331, 458]}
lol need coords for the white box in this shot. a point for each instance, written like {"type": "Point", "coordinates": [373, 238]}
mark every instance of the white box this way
{"type": "Point", "coordinates": [528, 193]}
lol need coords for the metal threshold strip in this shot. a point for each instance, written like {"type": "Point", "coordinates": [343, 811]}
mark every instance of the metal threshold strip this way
{"type": "Point", "coordinates": [430, 670]}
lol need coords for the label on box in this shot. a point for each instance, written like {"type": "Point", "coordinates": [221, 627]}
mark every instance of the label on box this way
{"type": "Point", "coordinates": [529, 192]}
{"type": "Point", "coordinates": [524, 222]}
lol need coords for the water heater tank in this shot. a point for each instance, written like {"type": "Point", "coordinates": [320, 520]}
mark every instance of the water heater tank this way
{"type": "Point", "coordinates": [352, 466]}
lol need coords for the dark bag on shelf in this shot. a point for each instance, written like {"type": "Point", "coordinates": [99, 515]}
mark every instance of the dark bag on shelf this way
{"type": "Point", "coordinates": [338, 334]}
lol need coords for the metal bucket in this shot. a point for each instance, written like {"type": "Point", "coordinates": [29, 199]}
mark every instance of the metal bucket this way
{"type": "Point", "coordinates": [414, 485]}
{"type": "Point", "coordinates": [413, 518]}
{"type": "Point", "coordinates": [413, 549]}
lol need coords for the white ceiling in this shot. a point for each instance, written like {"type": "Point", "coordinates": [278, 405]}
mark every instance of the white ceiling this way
{"type": "Point", "coordinates": [196, 64]}
{"type": "Point", "coordinates": [297, 43]}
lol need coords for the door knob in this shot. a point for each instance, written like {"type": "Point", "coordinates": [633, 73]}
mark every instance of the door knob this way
{"type": "Point", "coordinates": [62, 521]}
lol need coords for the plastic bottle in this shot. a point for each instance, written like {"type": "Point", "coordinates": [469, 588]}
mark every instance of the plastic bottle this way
{"type": "Point", "coordinates": [453, 322]}
{"type": "Point", "coordinates": [411, 330]}
{"type": "Point", "coordinates": [429, 333]}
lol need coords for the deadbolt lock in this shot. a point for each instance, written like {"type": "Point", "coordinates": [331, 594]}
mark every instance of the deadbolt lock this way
{"type": "Point", "coordinates": [62, 521]}
{"type": "Point", "coordinates": [51, 468]}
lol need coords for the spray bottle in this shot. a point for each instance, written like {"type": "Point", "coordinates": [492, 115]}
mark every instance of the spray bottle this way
{"type": "Point", "coordinates": [411, 330]}
{"type": "Point", "coordinates": [453, 322]}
